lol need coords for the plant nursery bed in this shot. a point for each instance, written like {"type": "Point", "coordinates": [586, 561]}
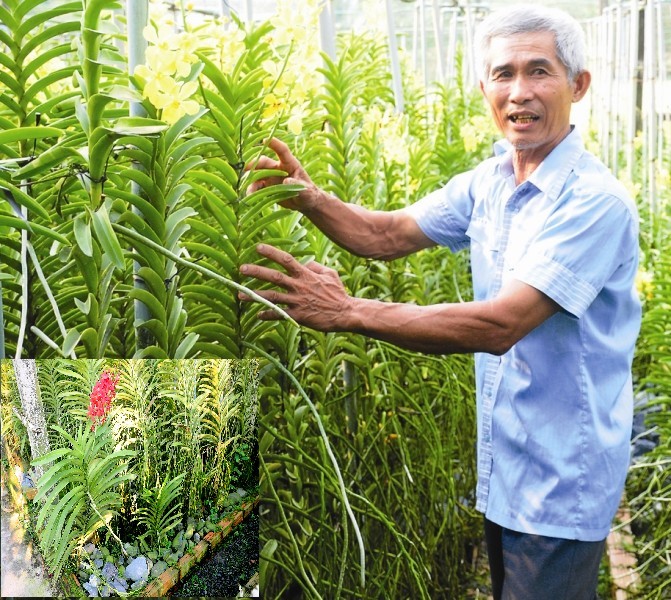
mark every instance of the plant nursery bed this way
{"type": "Point", "coordinates": [165, 584]}
{"type": "Point", "coordinates": [162, 585]}
{"type": "Point", "coordinates": [230, 567]}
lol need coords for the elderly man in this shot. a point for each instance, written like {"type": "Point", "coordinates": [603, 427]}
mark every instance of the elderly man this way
{"type": "Point", "coordinates": [554, 249]}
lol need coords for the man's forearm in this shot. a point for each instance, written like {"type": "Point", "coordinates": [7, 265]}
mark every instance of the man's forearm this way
{"type": "Point", "coordinates": [435, 329]}
{"type": "Point", "coordinates": [366, 233]}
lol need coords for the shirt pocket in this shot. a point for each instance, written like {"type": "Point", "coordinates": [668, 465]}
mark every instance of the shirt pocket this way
{"type": "Point", "coordinates": [484, 255]}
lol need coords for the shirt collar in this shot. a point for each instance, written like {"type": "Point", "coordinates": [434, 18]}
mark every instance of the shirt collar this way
{"type": "Point", "coordinates": [551, 174]}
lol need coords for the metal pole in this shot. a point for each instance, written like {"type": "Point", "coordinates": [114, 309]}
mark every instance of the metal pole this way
{"type": "Point", "coordinates": [610, 70]}
{"type": "Point", "coordinates": [138, 13]}
{"type": "Point", "coordinates": [422, 37]}
{"type": "Point", "coordinates": [452, 46]}
{"type": "Point", "coordinates": [327, 30]}
{"type": "Point", "coordinates": [396, 80]}
{"type": "Point", "coordinates": [633, 84]}
{"type": "Point", "coordinates": [618, 47]}
{"type": "Point", "coordinates": [649, 118]}
{"type": "Point", "coordinates": [415, 36]}
{"type": "Point", "coordinates": [661, 73]}
{"type": "Point", "coordinates": [472, 77]}
{"type": "Point", "coordinates": [438, 33]}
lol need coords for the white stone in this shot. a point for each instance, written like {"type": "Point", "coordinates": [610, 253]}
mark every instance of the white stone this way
{"type": "Point", "coordinates": [137, 569]}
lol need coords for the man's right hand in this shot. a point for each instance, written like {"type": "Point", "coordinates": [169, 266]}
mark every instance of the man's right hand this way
{"type": "Point", "coordinates": [288, 163]}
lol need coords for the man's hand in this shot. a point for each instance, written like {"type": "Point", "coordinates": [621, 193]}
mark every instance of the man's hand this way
{"type": "Point", "coordinates": [288, 163]}
{"type": "Point", "coordinates": [313, 294]}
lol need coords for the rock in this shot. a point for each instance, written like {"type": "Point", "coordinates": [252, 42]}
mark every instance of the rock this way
{"type": "Point", "coordinates": [179, 538]}
{"type": "Point", "coordinates": [83, 575]}
{"type": "Point", "coordinates": [242, 493]}
{"type": "Point", "coordinates": [159, 568]}
{"type": "Point", "coordinates": [130, 549]}
{"type": "Point", "coordinates": [89, 548]}
{"type": "Point", "coordinates": [137, 569]}
{"type": "Point", "coordinates": [233, 498]}
{"type": "Point", "coordinates": [196, 537]}
{"type": "Point", "coordinates": [98, 562]}
{"type": "Point", "coordinates": [119, 585]}
{"type": "Point", "coordinates": [138, 584]}
{"type": "Point", "coordinates": [94, 580]}
{"type": "Point", "coordinates": [152, 554]}
{"type": "Point", "coordinates": [105, 591]}
{"type": "Point", "coordinates": [109, 570]}
{"type": "Point", "coordinates": [91, 589]}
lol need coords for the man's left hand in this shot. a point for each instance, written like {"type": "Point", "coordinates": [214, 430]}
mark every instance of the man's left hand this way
{"type": "Point", "coordinates": [312, 294]}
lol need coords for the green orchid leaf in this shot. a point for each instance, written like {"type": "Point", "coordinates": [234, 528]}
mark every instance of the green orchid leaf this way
{"type": "Point", "coordinates": [138, 126]}
{"type": "Point", "coordinates": [71, 340]}
{"type": "Point", "coordinates": [56, 156]}
{"type": "Point", "coordinates": [107, 238]}
{"type": "Point", "coordinates": [22, 134]}
{"type": "Point", "coordinates": [83, 237]}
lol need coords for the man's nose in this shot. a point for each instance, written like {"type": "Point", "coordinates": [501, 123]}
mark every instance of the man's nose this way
{"type": "Point", "coordinates": [521, 90]}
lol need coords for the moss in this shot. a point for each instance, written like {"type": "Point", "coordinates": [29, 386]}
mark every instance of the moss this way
{"type": "Point", "coordinates": [235, 562]}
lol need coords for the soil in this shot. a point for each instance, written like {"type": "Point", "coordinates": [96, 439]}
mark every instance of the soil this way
{"type": "Point", "coordinates": [235, 562]}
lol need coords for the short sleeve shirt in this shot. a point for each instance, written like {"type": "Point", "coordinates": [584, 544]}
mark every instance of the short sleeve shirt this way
{"type": "Point", "coordinates": [554, 412]}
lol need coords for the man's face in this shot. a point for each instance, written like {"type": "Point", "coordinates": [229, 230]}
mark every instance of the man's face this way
{"type": "Point", "coordinates": [529, 91]}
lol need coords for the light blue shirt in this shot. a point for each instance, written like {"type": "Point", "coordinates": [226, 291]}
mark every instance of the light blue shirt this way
{"type": "Point", "coordinates": [554, 412]}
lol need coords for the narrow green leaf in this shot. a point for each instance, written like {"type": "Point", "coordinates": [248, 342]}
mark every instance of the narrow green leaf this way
{"type": "Point", "coordinates": [21, 134]}
{"type": "Point", "coordinates": [186, 346]}
{"type": "Point", "coordinates": [20, 197]}
{"type": "Point", "coordinates": [82, 231]}
{"type": "Point", "coordinates": [107, 238]}
{"type": "Point", "coordinates": [56, 156]}
{"type": "Point", "coordinates": [71, 340]}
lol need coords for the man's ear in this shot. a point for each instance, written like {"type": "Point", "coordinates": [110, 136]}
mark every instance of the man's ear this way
{"type": "Point", "coordinates": [581, 85]}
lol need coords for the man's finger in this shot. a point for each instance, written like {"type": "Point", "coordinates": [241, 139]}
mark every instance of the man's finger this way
{"type": "Point", "coordinates": [283, 153]}
{"type": "Point", "coordinates": [262, 162]}
{"type": "Point", "coordinates": [266, 274]}
{"type": "Point", "coordinates": [282, 258]}
{"type": "Point", "coordinates": [318, 268]}
{"type": "Point", "coordinates": [269, 315]}
{"type": "Point", "coordinates": [273, 296]}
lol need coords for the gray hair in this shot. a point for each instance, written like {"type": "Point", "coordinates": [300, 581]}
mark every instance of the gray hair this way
{"type": "Point", "coordinates": [529, 18]}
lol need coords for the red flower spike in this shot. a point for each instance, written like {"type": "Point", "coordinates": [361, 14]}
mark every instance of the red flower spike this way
{"type": "Point", "coordinates": [100, 400]}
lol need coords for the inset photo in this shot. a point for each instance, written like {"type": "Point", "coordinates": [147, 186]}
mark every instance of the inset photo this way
{"type": "Point", "coordinates": [130, 477]}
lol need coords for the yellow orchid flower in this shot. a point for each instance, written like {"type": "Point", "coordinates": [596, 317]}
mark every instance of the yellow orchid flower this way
{"type": "Point", "coordinates": [178, 104]}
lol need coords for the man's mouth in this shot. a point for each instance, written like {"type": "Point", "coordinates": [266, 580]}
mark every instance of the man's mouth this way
{"type": "Point", "coordinates": [523, 119]}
